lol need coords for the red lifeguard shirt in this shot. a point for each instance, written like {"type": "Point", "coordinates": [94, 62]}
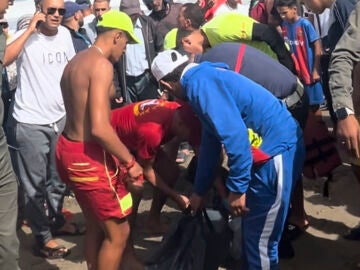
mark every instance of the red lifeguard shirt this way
{"type": "Point", "coordinates": [144, 126]}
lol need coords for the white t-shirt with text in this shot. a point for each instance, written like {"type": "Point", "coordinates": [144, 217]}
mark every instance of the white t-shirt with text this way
{"type": "Point", "coordinates": [40, 65]}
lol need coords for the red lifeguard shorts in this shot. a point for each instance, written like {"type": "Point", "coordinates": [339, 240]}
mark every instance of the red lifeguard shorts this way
{"type": "Point", "coordinates": [95, 178]}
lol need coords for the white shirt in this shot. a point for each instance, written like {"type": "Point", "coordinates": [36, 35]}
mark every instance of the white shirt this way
{"type": "Point", "coordinates": [240, 8]}
{"type": "Point", "coordinates": [40, 64]}
{"type": "Point", "coordinates": [89, 27]}
{"type": "Point", "coordinates": [136, 62]}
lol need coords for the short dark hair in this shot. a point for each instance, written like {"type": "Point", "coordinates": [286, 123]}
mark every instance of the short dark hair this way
{"type": "Point", "coordinates": [181, 33]}
{"type": "Point", "coordinates": [103, 29]}
{"type": "Point", "coordinates": [194, 13]}
{"type": "Point", "coordinates": [175, 75]}
{"type": "Point", "coordinates": [285, 3]}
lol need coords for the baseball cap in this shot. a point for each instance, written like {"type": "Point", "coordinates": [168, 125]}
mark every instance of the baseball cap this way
{"type": "Point", "coordinates": [71, 8]}
{"type": "Point", "coordinates": [118, 20]}
{"type": "Point", "coordinates": [165, 62]}
{"type": "Point", "coordinates": [130, 7]}
{"type": "Point", "coordinates": [83, 2]}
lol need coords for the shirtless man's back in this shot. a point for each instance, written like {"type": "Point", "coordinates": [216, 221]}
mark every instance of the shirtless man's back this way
{"type": "Point", "coordinates": [91, 158]}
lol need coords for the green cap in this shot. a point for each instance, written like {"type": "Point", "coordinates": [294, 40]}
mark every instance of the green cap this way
{"type": "Point", "coordinates": [118, 20]}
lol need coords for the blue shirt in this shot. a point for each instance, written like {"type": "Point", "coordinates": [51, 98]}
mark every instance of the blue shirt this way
{"type": "Point", "coordinates": [227, 104]}
{"type": "Point", "coordinates": [255, 65]}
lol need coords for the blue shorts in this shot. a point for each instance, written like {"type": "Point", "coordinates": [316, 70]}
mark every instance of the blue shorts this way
{"type": "Point", "coordinates": [315, 93]}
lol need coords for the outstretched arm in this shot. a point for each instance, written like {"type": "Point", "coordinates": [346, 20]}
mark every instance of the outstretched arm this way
{"type": "Point", "coordinates": [156, 180]}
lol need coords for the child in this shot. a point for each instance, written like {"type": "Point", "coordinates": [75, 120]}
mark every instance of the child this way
{"type": "Point", "coordinates": [305, 45]}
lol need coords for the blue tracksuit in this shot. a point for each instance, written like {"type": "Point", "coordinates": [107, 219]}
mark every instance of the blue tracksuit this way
{"type": "Point", "coordinates": [227, 104]}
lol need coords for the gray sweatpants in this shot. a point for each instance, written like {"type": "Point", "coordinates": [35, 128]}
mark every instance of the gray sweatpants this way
{"type": "Point", "coordinates": [33, 152]}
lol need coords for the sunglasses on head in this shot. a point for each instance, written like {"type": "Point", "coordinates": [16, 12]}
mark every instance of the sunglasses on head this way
{"type": "Point", "coordinates": [52, 11]}
{"type": "Point", "coordinates": [4, 24]}
{"type": "Point", "coordinates": [100, 9]}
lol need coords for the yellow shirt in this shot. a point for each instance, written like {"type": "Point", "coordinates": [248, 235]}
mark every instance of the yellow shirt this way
{"type": "Point", "coordinates": [233, 27]}
{"type": "Point", "coordinates": [170, 39]}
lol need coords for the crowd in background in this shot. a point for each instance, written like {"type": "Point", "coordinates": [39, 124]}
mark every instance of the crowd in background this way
{"type": "Point", "coordinates": [166, 96]}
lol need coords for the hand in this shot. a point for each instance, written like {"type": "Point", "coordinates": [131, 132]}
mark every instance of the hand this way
{"type": "Point", "coordinates": [237, 203]}
{"type": "Point", "coordinates": [182, 201]}
{"type": "Point", "coordinates": [164, 95]}
{"type": "Point", "coordinates": [209, 4]}
{"type": "Point", "coordinates": [38, 17]}
{"type": "Point", "coordinates": [136, 173]}
{"type": "Point", "coordinates": [195, 203]}
{"type": "Point", "coordinates": [348, 133]}
{"type": "Point", "coordinates": [315, 76]}
{"type": "Point", "coordinates": [134, 181]}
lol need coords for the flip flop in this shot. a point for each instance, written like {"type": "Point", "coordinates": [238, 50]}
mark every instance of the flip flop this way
{"type": "Point", "coordinates": [293, 231]}
{"type": "Point", "coordinates": [78, 231]}
{"type": "Point", "coordinates": [57, 252]}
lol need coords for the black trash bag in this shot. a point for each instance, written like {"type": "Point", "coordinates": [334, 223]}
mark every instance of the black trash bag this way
{"type": "Point", "coordinates": [218, 239]}
{"type": "Point", "coordinates": [193, 244]}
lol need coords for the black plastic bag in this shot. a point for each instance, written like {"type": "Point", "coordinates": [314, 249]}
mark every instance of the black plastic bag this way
{"type": "Point", "coordinates": [193, 244]}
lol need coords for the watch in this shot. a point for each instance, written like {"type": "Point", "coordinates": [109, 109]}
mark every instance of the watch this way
{"type": "Point", "coordinates": [343, 112]}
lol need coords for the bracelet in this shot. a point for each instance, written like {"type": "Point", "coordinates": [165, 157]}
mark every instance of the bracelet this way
{"type": "Point", "coordinates": [130, 164]}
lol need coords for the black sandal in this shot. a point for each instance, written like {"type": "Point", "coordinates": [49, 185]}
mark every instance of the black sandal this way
{"type": "Point", "coordinates": [57, 252]}
{"type": "Point", "coordinates": [79, 230]}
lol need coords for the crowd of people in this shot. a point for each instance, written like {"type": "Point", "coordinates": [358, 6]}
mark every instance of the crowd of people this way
{"type": "Point", "coordinates": [97, 101]}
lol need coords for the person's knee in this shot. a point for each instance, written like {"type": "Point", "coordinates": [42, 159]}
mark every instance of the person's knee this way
{"type": "Point", "coordinates": [117, 232]}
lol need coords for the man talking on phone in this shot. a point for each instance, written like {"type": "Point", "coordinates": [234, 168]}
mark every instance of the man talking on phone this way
{"type": "Point", "coordinates": [41, 52]}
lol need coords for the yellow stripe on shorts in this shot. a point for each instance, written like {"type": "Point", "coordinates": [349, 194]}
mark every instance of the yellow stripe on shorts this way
{"type": "Point", "coordinates": [84, 179]}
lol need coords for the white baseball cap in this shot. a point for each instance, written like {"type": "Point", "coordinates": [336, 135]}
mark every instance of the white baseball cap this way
{"type": "Point", "coordinates": [166, 62]}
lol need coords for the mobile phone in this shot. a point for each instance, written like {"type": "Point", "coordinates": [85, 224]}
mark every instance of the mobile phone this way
{"type": "Point", "coordinates": [38, 9]}
{"type": "Point", "coordinates": [38, 23]}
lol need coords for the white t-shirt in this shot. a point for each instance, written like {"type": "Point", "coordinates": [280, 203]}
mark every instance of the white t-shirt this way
{"type": "Point", "coordinates": [88, 26]}
{"type": "Point", "coordinates": [40, 65]}
{"type": "Point", "coordinates": [136, 62]}
{"type": "Point", "coordinates": [242, 8]}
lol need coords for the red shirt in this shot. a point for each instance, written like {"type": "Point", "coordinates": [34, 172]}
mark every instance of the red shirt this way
{"type": "Point", "coordinates": [144, 126]}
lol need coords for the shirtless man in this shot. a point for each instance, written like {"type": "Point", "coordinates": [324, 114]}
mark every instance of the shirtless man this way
{"type": "Point", "coordinates": [91, 158]}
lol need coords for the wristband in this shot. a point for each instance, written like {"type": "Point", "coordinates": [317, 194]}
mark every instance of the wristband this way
{"type": "Point", "coordinates": [130, 164]}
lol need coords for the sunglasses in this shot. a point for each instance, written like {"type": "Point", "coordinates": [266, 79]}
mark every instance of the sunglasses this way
{"type": "Point", "coordinates": [52, 11]}
{"type": "Point", "coordinates": [4, 24]}
{"type": "Point", "coordinates": [100, 9]}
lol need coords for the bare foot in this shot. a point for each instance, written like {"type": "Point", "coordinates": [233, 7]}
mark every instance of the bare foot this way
{"type": "Point", "coordinates": [52, 250]}
{"type": "Point", "coordinates": [51, 244]}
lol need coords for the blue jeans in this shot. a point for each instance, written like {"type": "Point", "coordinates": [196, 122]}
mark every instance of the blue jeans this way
{"type": "Point", "coordinates": [33, 152]}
